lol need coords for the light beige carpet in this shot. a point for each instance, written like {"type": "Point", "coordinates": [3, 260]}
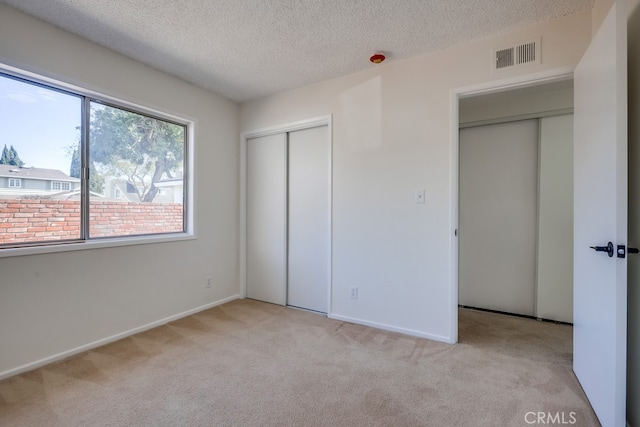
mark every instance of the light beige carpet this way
{"type": "Point", "coordinates": [248, 363]}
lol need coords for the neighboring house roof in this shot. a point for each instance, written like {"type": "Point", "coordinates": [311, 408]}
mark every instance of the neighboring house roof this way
{"type": "Point", "coordinates": [75, 195]}
{"type": "Point", "coordinates": [169, 182]}
{"type": "Point", "coordinates": [11, 171]}
{"type": "Point", "coordinates": [128, 191]}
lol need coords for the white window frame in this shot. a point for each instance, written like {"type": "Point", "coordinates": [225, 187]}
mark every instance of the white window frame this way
{"type": "Point", "coordinates": [60, 185]}
{"type": "Point", "coordinates": [189, 229]}
{"type": "Point", "coordinates": [15, 182]}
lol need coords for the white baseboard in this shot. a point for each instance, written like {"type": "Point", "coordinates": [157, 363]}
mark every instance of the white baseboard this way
{"type": "Point", "coordinates": [391, 328]}
{"type": "Point", "coordinates": [116, 337]}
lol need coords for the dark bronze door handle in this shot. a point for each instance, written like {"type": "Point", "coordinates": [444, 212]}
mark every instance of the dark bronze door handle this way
{"type": "Point", "coordinates": [608, 249]}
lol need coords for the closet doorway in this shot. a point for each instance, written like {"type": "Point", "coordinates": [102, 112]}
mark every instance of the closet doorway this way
{"type": "Point", "coordinates": [515, 222]}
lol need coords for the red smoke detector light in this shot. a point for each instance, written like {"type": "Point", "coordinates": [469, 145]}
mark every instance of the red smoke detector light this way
{"type": "Point", "coordinates": [377, 58]}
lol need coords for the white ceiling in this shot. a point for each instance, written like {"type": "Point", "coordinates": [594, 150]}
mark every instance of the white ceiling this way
{"type": "Point", "coordinates": [245, 49]}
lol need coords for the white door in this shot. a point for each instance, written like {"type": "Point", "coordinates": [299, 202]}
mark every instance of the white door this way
{"type": "Point", "coordinates": [309, 229]}
{"type": "Point", "coordinates": [600, 216]}
{"type": "Point", "coordinates": [498, 216]}
{"type": "Point", "coordinates": [266, 253]}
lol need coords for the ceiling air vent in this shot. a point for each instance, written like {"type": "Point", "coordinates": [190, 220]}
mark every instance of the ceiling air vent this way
{"type": "Point", "coordinates": [526, 53]}
{"type": "Point", "coordinates": [519, 54]}
{"type": "Point", "coordinates": [505, 58]}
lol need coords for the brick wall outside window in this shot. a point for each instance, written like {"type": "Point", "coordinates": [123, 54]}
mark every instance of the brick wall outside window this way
{"type": "Point", "coordinates": [34, 220]}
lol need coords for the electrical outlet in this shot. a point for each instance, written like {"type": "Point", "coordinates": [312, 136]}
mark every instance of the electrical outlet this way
{"type": "Point", "coordinates": [354, 293]}
{"type": "Point", "coordinates": [208, 282]}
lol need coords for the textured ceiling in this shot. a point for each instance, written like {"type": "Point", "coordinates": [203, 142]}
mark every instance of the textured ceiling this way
{"type": "Point", "coordinates": [245, 49]}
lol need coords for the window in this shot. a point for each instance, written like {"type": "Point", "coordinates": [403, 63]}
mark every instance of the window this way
{"type": "Point", "coordinates": [77, 159]}
{"type": "Point", "coordinates": [60, 186]}
{"type": "Point", "coordinates": [142, 151]}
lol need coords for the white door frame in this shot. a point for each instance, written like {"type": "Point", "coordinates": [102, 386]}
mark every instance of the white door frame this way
{"type": "Point", "coordinates": [516, 82]}
{"type": "Point", "coordinates": [271, 130]}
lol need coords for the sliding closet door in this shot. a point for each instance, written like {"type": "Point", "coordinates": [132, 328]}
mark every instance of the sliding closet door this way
{"type": "Point", "coordinates": [498, 216]}
{"type": "Point", "coordinates": [267, 219]}
{"type": "Point", "coordinates": [309, 213]}
{"type": "Point", "coordinates": [555, 227]}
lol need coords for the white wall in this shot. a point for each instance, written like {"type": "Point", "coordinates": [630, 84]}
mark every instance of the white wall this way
{"type": "Point", "coordinates": [54, 303]}
{"type": "Point", "coordinates": [391, 136]}
{"type": "Point", "coordinates": [633, 343]}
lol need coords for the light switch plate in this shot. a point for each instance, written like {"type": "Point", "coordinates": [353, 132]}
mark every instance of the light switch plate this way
{"type": "Point", "coordinates": [419, 197]}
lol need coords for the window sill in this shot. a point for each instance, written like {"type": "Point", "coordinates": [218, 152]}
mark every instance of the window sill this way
{"type": "Point", "coordinates": [94, 244]}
